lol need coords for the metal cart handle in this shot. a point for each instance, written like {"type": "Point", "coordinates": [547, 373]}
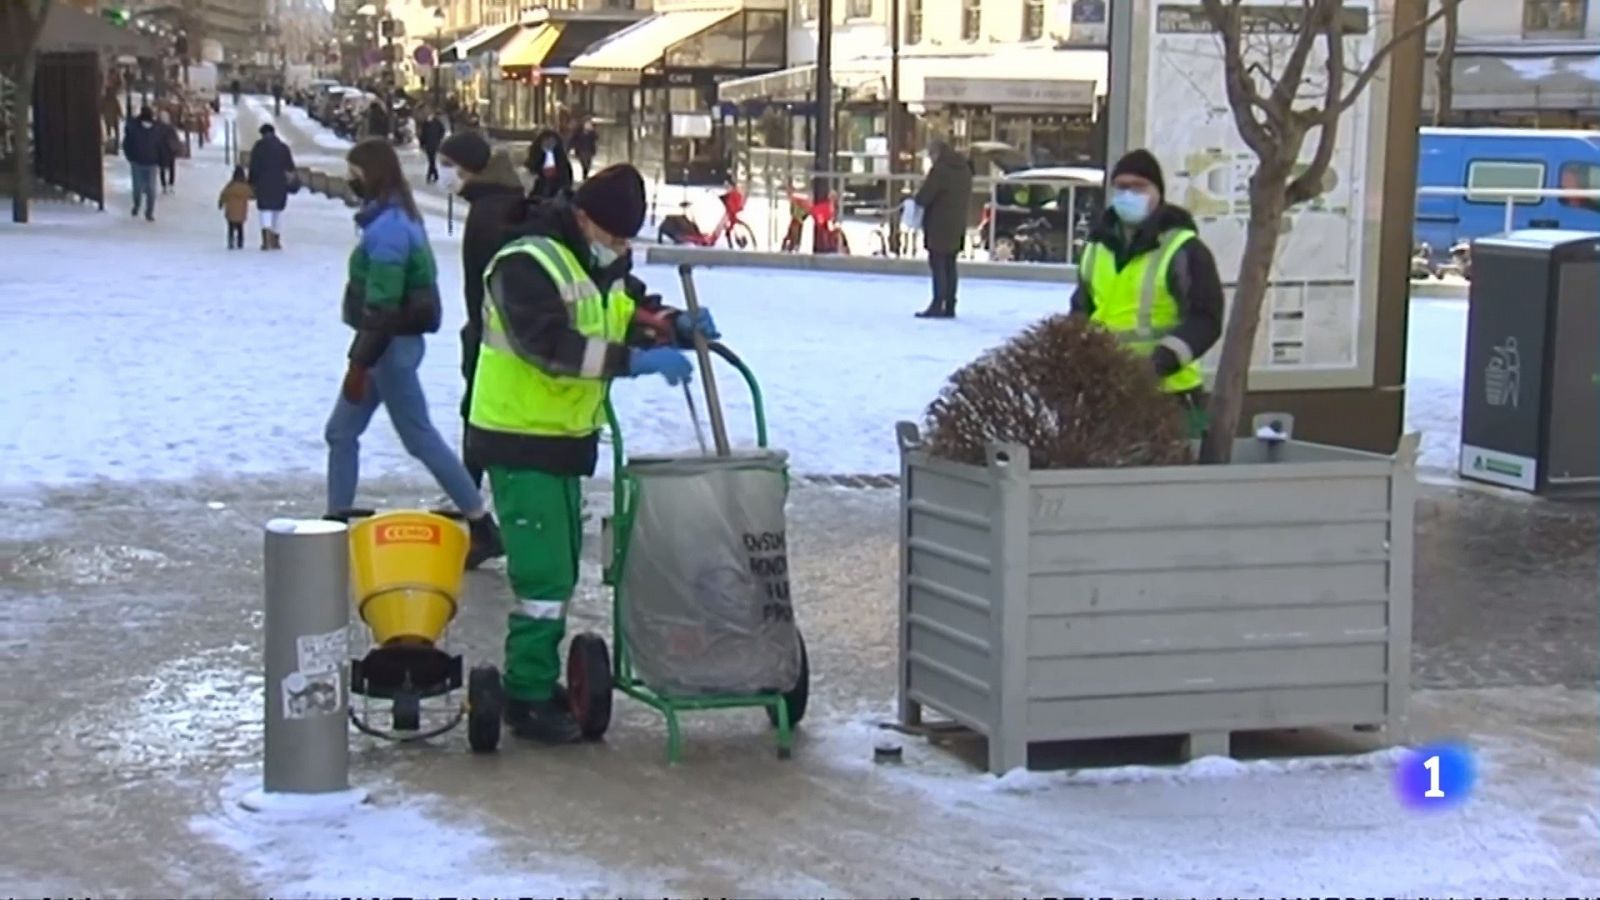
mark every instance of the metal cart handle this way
{"type": "Point", "coordinates": [716, 348]}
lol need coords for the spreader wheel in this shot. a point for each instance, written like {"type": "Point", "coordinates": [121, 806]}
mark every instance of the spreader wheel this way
{"type": "Point", "coordinates": [407, 712]}
{"type": "Point", "coordinates": [589, 684]}
{"type": "Point", "coordinates": [800, 695]}
{"type": "Point", "coordinates": [485, 705]}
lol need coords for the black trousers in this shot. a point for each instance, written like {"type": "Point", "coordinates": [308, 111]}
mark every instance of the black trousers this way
{"type": "Point", "coordinates": [433, 164]}
{"type": "Point", "coordinates": [235, 234]}
{"type": "Point", "coordinates": [469, 367]}
{"type": "Point", "coordinates": [944, 270]}
{"type": "Point", "coordinates": [169, 175]}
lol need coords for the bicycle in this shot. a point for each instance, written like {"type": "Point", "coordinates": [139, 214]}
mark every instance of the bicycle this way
{"type": "Point", "coordinates": [801, 208]}
{"type": "Point", "coordinates": [682, 228]}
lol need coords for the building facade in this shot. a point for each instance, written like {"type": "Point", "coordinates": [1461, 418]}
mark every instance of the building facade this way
{"type": "Point", "coordinates": [1521, 62]}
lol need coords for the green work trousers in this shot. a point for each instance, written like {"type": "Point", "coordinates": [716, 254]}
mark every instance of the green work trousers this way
{"type": "Point", "coordinates": [542, 530]}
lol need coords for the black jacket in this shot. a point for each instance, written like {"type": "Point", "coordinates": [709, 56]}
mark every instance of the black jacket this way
{"type": "Point", "coordinates": [430, 135]}
{"type": "Point", "coordinates": [946, 200]}
{"type": "Point", "coordinates": [271, 164]}
{"type": "Point", "coordinates": [494, 198]}
{"type": "Point", "coordinates": [167, 144]}
{"type": "Point", "coordinates": [542, 333]}
{"type": "Point", "coordinates": [557, 182]}
{"type": "Point", "coordinates": [585, 143]}
{"type": "Point", "coordinates": [141, 142]}
{"type": "Point", "coordinates": [1192, 279]}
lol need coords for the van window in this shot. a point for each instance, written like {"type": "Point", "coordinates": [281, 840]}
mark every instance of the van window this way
{"type": "Point", "coordinates": [1502, 175]}
{"type": "Point", "coordinates": [1582, 176]}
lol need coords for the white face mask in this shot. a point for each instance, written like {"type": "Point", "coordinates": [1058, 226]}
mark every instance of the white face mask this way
{"type": "Point", "coordinates": [1132, 207]}
{"type": "Point", "coordinates": [603, 254]}
{"type": "Point", "coordinates": [451, 176]}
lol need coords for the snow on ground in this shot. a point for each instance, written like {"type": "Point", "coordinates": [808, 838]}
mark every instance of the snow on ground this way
{"type": "Point", "coordinates": [373, 851]}
{"type": "Point", "coordinates": [147, 350]}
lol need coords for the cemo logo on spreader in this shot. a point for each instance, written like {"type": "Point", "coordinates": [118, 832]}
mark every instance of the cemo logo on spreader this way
{"type": "Point", "coordinates": [410, 533]}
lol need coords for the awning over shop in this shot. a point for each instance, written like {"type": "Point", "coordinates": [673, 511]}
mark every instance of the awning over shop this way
{"type": "Point", "coordinates": [69, 28]}
{"type": "Point", "coordinates": [623, 58]}
{"type": "Point", "coordinates": [1064, 80]}
{"type": "Point", "coordinates": [530, 47]}
{"type": "Point", "coordinates": [487, 38]}
{"type": "Point", "coordinates": [1493, 79]}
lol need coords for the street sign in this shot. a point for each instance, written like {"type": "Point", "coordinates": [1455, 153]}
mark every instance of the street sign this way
{"type": "Point", "coordinates": [424, 55]}
{"type": "Point", "coordinates": [463, 70]}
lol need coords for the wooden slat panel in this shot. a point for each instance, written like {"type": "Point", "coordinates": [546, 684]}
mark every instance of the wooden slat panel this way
{"type": "Point", "coordinates": [1207, 548]}
{"type": "Point", "coordinates": [1210, 629]}
{"type": "Point", "coordinates": [1194, 589]}
{"type": "Point", "coordinates": [1208, 505]}
{"type": "Point", "coordinates": [1180, 713]}
{"type": "Point", "coordinates": [1203, 671]}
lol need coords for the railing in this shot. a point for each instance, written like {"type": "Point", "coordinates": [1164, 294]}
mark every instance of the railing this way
{"type": "Point", "coordinates": [1513, 197]}
{"type": "Point", "coordinates": [868, 206]}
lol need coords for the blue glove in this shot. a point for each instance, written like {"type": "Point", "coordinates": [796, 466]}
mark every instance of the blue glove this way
{"type": "Point", "coordinates": [700, 320]}
{"type": "Point", "coordinates": [667, 362]}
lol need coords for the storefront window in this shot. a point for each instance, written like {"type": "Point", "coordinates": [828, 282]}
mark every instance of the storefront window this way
{"type": "Point", "coordinates": [914, 22]}
{"type": "Point", "coordinates": [1581, 176]}
{"type": "Point", "coordinates": [1032, 20]}
{"type": "Point", "coordinates": [1553, 17]}
{"type": "Point", "coordinates": [858, 9]}
{"type": "Point", "coordinates": [971, 19]}
{"type": "Point", "coordinates": [764, 39]}
{"type": "Point", "coordinates": [719, 47]}
{"type": "Point", "coordinates": [805, 10]}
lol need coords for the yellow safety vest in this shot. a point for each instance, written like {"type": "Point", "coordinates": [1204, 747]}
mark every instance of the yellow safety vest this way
{"type": "Point", "coordinates": [510, 394]}
{"type": "Point", "coordinates": [1135, 304]}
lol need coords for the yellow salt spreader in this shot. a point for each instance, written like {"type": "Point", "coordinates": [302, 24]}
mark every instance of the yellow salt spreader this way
{"type": "Point", "coordinates": [406, 569]}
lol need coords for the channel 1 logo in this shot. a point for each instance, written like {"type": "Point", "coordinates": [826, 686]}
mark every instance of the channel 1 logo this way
{"type": "Point", "coordinates": [1436, 777]}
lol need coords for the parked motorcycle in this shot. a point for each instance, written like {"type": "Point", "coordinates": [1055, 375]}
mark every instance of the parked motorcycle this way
{"type": "Point", "coordinates": [1461, 258]}
{"type": "Point", "coordinates": [1030, 242]}
{"type": "Point", "coordinates": [1422, 262]}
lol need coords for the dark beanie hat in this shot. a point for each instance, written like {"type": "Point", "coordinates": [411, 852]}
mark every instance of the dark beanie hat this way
{"type": "Point", "coordinates": [1142, 163]}
{"type": "Point", "coordinates": [265, 129]}
{"type": "Point", "coordinates": [613, 198]}
{"type": "Point", "coordinates": [468, 150]}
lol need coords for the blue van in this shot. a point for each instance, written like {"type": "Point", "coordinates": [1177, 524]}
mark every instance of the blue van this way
{"type": "Point", "coordinates": [1503, 158]}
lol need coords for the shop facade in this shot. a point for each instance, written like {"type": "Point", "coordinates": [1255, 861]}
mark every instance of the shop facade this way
{"type": "Point", "coordinates": [532, 89]}
{"type": "Point", "coordinates": [652, 87]}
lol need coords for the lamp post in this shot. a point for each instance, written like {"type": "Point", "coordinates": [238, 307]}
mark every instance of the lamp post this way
{"type": "Point", "coordinates": [893, 191]}
{"type": "Point", "coordinates": [822, 158]}
{"type": "Point", "coordinates": [438, 51]}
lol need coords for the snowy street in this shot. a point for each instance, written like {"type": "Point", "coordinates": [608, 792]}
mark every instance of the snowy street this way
{"type": "Point", "coordinates": [166, 396]}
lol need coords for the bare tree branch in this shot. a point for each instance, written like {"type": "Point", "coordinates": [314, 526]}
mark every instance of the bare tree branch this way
{"type": "Point", "coordinates": [1286, 91]}
{"type": "Point", "coordinates": [1242, 94]}
{"type": "Point", "coordinates": [1375, 64]}
{"type": "Point", "coordinates": [1330, 27]}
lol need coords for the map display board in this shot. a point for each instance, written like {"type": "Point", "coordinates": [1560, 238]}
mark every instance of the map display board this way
{"type": "Point", "coordinates": [1324, 275]}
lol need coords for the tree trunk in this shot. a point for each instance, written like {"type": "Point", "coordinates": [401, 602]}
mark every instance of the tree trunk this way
{"type": "Point", "coordinates": [1444, 68]}
{"type": "Point", "coordinates": [22, 139]}
{"type": "Point", "coordinates": [1267, 206]}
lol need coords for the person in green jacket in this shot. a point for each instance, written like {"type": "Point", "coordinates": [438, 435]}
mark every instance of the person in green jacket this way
{"type": "Point", "coordinates": [562, 317]}
{"type": "Point", "coordinates": [391, 299]}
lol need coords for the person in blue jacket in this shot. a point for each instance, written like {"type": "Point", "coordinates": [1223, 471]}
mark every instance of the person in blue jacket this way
{"type": "Point", "coordinates": [141, 144]}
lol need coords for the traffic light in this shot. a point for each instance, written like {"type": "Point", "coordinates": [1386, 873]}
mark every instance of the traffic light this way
{"type": "Point", "coordinates": [393, 28]}
{"type": "Point", "coordinates": [115, 15]}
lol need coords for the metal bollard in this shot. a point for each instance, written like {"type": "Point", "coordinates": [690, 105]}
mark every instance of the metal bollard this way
{"type": "Point", "coordinates": [307, 575]}
{"type": "Point", "coordinates": [450, 213]}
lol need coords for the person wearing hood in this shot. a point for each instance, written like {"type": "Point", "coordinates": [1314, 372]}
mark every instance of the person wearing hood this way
{"type": "Point", "coordinates": [552, 172]}
{"type": "Point", "coordinates": [488, 181]}
{"type": "Point", "coordinates": [562, 317]}
{"type": "Point", "coordinates": [141, 144]}
{"type": "Point", "coordinates": [1146, 276]}
{"type": "Point", "coordinates": [944, 200]}
{"type": "Point", "coordinates": [391, 301]}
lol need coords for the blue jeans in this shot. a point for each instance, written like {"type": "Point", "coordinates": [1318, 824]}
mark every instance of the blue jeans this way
{"type": "Point", "coordinates": [144, 185]}
{"type": "Point", "coordinates": [393, 382]}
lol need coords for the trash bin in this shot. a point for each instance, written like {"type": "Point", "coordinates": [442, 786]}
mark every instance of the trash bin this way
{"type": "Point", "coordinates": [1530, 405]}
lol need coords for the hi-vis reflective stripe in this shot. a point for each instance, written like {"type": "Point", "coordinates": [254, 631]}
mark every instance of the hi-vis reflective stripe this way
{"type": "Point", "coordinates": [1147, 291]}
{"type": "Point", "coordinates": [542, 609]}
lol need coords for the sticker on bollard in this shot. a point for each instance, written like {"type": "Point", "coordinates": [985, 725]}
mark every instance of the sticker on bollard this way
{"type": "Point", "coordinates": [322, 652]}
{"type": "Point", "coordinates": [308, 694]}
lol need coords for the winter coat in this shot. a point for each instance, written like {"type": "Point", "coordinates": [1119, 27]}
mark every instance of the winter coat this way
{"type": "Point", "coordinates": [556, 183]}
{"type": "Point", "coordinates": [494, 198]}
{"type": "Point", "coordinates": [168, 144]}
{"type": "Point", "coordinates": [235, 201]}
{"type": "Point", "coordinates": [1192, 278]}
{"type": "Point", "coordinates": [393, 282]}
{"type": "Point", "coordinates": [945, 198]}
{"type": "Point", "coordinates": [141, 143]}
{"type": "Point", "coordinates": [430, 135]}
{"type": "Point", "coordinates": [540, 328]}
{"type": "Point", "coordinates": [585, 143]}
{"type": "Point", "coordinates": [377, 121]}
{"type": "Point", "coordinates": [271, 164]}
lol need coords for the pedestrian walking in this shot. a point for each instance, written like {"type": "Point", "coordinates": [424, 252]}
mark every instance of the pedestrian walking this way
{"type": "Point", "coordinates": [488, 181]}
{"type": "Point", "coordinates": [235, 205]}
{"type": "Point", "coordinates": [271, 168]}
{"type": "Point", "coordinates": [168, 147]}
{"type": "Point", "coordinates": [1148, 277]}
{"type": "Point", "coordinates": [430, 135]}
{"type": "Point", "coordinates": [111, 117]}
{"type": "Point", "coordinates": [560, 310]}
{"type": "Point", "coordinates": [392, 301]}
{"type": "Point", "coordinates": [377, 120]}
{"type": "Point", "coordinates": [584, 145]}
{"type": "Point", "coordinates": [944, 200]}
{"type": "Point", "coordinates": [237, 91]}
{"type": "Point", "coordinates": [277, 98]}
{"type": "Point", "coordinates": [141, 145]}
{"type": "Point", "coordinates": [552, 171]}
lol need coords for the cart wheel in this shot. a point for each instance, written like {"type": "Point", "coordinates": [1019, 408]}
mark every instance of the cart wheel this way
{"type": "Point", "coordinates": [485, 705]}
{"type": "Point", "coordinates": [407, 712]}
{"type": "Point", "coordinates": [800, 695]}
{"type": "Point", "coordinates": [589, 684]}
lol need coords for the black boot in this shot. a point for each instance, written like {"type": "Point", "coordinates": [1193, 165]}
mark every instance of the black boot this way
{"type": "Point", "coordinates": [545, 721]}
{"type": "Point", "coordinates": [485, 541]}
{"type": "Point", "coordinates": [935, 310]}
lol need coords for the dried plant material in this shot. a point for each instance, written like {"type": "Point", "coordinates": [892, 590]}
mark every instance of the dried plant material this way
{"type": "Point", "coordinates": [1068, 391]}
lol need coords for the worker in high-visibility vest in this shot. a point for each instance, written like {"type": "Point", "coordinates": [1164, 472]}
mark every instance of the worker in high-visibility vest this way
{"type": "Point", "coordinates": [562, 317]}
{"type": "Point", "coordinates": [1146, 276]}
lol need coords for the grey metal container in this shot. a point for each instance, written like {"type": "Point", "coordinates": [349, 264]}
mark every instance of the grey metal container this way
{"type": "Point", "coordinates": [1197, 600]}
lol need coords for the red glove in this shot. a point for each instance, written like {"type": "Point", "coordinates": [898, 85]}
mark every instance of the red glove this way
{"type": "Point", "coordinates": [657, 326]}
{"type": "Point", "coordinates": [355, 384]}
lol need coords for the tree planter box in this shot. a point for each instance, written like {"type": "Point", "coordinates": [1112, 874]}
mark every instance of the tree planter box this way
{"type": "Point", "coordinates": [1274, 592]}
